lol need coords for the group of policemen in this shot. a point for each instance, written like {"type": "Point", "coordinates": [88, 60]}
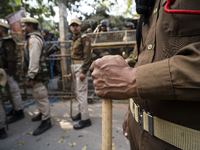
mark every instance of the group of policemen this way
{"type": "Point", "coordinates": [34, 58]}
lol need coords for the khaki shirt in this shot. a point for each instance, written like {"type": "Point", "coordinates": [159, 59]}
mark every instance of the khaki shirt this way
{"type": "Point", "coordinates": [81, 50]}
{"type": "Point", "coordinates": [35, 48]}
{"type": "Point", "coordinates": [168, 67]}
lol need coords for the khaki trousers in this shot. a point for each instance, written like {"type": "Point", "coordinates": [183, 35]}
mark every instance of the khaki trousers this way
{"type": "Point", "coordinates": [15, 93]}
{"type": "Point", "coordinates": [40, 96]}
{"type": "Point", "coordinates": [141, 140]}
{"type": "Point", "coordinates": [2, 116]}
{"type": "Point", "coordinates": [81, 90]}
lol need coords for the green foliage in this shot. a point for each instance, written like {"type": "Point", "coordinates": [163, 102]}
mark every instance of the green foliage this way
{"type": "Point", "coordinates": [6, 7]}
{"type": "Point", "coordinates": [94, 19]}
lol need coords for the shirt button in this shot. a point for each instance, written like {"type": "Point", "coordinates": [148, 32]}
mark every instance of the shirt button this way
{"type": "Point", "coordinates": [155, 10]}
{"type": "Point", "coordinates": [150, 47]}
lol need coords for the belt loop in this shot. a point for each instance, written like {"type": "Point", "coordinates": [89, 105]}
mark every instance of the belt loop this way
{"type": "Point", "coordinates": [150, 124]}
{"type": "Point", "coordinates": [133, 109]}
{"type": "Point", "coordinates": [140, 116]}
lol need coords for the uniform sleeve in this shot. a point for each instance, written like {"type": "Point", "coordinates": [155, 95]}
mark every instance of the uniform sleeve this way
{"type": "Point", "coordinates": [35, 48]}
{"type": "Point", "coordinates": [9, 47]}
{"type": "Point", "coordinates": [176, 78]}
{"type": "Point", "coordinates": [87, 54]}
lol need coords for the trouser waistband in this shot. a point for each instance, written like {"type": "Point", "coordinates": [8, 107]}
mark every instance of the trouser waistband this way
{"type": "Point", "coordinates": [76, 61]}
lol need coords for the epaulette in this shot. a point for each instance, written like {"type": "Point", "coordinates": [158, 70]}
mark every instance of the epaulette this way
{"type": "Point", "coordinates": [32, 35]}
{"type": "Point", "coordinates": [84, 35]}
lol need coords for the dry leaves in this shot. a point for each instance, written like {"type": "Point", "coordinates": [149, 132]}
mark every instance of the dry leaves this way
{"type": "Point", "coordinates": [38, 139]}
{"type": "Point", "coordinates": [85, 147]}
{"type": "Point", "coordinates": [62, 138]}
{"type": "Point", "coordinates": [72, 144]}
{"type": "Point", "coordinates": [47, 144]}
{"type": "Point", "coordinates": [29, 132]}
{"type": "Point", "coordinates": [21, 143]}
{"type": "Point", "coordinates": [80, 135]}
{"type": "Point", "coordinates": [67, 129]}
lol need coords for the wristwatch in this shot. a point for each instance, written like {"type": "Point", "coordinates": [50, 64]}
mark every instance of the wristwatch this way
{"type": "Point", "coordinates": [28, 78]}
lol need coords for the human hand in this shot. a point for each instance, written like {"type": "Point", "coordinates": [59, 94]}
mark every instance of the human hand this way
{"type": "Point", "coordinates": [29, 84]}
{"type": "Point", "coordinates": [82, 76]}
{"type": "Point", "coordinates": [125, 125]}
{"type": "Point", "coordinates": [70, 77]}
{"type": "Point", "coordinates": [113, 78]}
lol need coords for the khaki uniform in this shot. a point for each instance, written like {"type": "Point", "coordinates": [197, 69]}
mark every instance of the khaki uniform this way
{"type": "Point", "coordinates": [80, 63]}
{"type": "Point", "coordinates": [167, 76]}
{"type": "Point", "coordinates": [33, 52]}
{"type": "Point", "coordinates": [8, 48]}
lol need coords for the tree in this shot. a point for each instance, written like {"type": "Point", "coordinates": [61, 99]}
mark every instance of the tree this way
{"type": "Point", "coordinates": [92, 20]}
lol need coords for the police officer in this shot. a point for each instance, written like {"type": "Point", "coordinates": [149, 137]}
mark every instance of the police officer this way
{"type": "Point", "coordinates": [45, 34]}
{"type": "Point", "coordinates": [80, 62]}
{"type": "Point", "coordinates": [165, 83]}
{"type": "Point", "coordinates": [3, 79]}
{"type": "Point", "coordinates": [130, 37]}
{"type": "Point", "coordinates": [34, 57]}
{"type": "Point", "coordinates": [104, 27]}
{"type": "Point", "coordinates": [89, 30]}
{"type": "Point", "coordinates": [9, 64]}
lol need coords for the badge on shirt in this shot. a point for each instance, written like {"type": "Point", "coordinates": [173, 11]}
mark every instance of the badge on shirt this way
{"type": "Point", "coordinates": [87, 43]}
{"type": "Point", "coordinates": [30, 46]}
{"type": "Point", "coordinates": [7, 48]}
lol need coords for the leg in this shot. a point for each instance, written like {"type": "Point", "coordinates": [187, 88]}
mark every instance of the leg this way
{"type": "Point", "coordinates": [42, 101]}
{"type": "Point", "coordinates": [16, 98]}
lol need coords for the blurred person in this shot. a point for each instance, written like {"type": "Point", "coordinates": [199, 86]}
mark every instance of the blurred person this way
{"type": "Point", "coordinates": [34, 59]}
{"type": "Point", "coordinates": [8, 55]}
{"type": "Point", "coordinates": [80, 63]}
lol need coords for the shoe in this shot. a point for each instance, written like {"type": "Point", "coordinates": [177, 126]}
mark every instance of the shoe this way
{"type": "Point", "coordinates": [10, 113]}
{"type": "Point", "coordinates": [18, 115]}
{"type": "Point", "coordinates": [37, 118]}
{"type": "Point", "coordinates": [82, 124]}
{"type": "Point", "coordinates": [45, 125]}
{"type": "Point", "coordinates": [3, 133]}
{"type": "Point", "coordinates": [77, 117]}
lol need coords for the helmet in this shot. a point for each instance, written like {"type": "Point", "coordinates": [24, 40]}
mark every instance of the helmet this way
{"type": "Point", "coordinates": [115, 29]}
{"type": "Point", "coordinates": [103, 23]}
{"type": "Point", "coordinates": [46, 31]}
{"type": "Point", "coordinates": [130, 24]}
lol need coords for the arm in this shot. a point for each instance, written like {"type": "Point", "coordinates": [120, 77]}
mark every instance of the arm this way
{"type": "Point", "coordinates": [177, 78]}
{"type": "Point", "coordinates": [87, 54]}
{"type": "Point", "coordinates": [35, 48]}
{"type": "Point", "coordinates": [9, 47]}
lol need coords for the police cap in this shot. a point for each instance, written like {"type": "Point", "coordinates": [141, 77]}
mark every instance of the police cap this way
{"type": "Point", "coordinates": [76, 21]}
{"type": "Point", "coordinates": [29, 20]}
{"type": "Point", "coordinates": [5, 25]}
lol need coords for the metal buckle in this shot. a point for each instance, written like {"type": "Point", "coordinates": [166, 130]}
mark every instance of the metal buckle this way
{"type": "Point", "coordinates": [150, 124]}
